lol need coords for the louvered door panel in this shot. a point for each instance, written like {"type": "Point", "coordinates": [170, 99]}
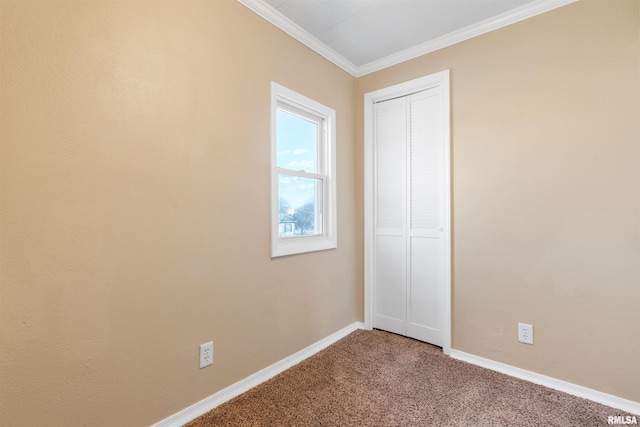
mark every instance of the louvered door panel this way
{"type": "Point", "coordinates": [425, 204]}
{"type": "Point", "coordinates": [390, 215]}
{"type": "Point", "coordinates": [426, 161]}
{"type": "Point", "coordinates": [408, 217]}
{"type": "Point", "coordinates": [390, 158]}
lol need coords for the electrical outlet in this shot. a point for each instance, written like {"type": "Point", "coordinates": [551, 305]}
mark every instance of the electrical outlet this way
{"type": "Point", "coordinates": [206, 354]}
{"type": "Point", "coordinates": [525, 333]}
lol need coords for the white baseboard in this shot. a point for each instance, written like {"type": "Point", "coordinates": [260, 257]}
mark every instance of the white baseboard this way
{"type": "Point", "coordinates": [569, 388]}
{"type": "Point", "coordinates": [205, 405]}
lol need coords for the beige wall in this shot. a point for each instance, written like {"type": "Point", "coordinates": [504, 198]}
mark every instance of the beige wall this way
{"type": "Point", "coordinates": [134, 202]}
{"type": "Point", "coordinates": [546, 191]}
{"type": "Point", "coordinates": [135, 206]}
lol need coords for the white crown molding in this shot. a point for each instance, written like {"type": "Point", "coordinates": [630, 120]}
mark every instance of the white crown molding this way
{"type": "Point", "coordinates": [295, 31]}
{"type": "Point", "coordinates": [499, 21]}
{"type": "Point", "coordinates": [217, 399]}
{"type": "Point", "coordinates": [527, 11]}
{"type": "Point", "coordinates": [554, 383]}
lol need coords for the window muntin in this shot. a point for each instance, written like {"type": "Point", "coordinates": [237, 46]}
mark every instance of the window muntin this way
{"type": "Point", "coordinates": [302, 180]}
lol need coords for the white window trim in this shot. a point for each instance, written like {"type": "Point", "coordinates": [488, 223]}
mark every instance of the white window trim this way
{"type": "Point", "coordinates": [328, 238]}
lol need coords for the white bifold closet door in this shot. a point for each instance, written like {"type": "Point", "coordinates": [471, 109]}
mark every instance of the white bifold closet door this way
{"type": "Point", "coordinates": [408, 216]}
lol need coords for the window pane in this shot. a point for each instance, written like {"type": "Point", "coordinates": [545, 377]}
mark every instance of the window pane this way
{"type": "Point", "coordinates": [297, 144]}
{"type": "Point", "coordinates": [300, 200]}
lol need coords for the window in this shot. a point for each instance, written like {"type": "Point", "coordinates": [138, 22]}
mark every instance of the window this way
{"type": "Point", "coordinates": [303, 208]}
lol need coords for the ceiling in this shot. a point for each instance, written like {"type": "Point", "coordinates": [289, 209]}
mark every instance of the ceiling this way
{"type": "Point", "coordinates": [363, 36]}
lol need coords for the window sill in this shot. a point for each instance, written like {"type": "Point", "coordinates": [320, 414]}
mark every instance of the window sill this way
{"type": "Point", "coordinates": [301, 245]}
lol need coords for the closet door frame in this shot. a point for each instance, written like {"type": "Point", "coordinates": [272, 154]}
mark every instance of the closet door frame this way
{"type": "Point", "coordinates": [441, 80]}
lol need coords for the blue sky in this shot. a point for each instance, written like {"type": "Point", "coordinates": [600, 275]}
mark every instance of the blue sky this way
{"type": "Point", "coordinates": [296, 150]}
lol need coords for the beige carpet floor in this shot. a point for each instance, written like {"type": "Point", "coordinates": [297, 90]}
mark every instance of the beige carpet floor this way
{"type": "Point", "coordinates": [374, 378]}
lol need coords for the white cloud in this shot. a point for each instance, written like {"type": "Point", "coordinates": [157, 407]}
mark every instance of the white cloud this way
{"type": "Point", "coordinates": [310, 187]}
{"type": "Point", "coordinates": [300, 165]}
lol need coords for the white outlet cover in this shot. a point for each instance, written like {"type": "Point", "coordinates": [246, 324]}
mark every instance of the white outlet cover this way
{"type": "Point", "coordinates": [525, 333]}
{"type": "Point", "coordinates": [206, 354]}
